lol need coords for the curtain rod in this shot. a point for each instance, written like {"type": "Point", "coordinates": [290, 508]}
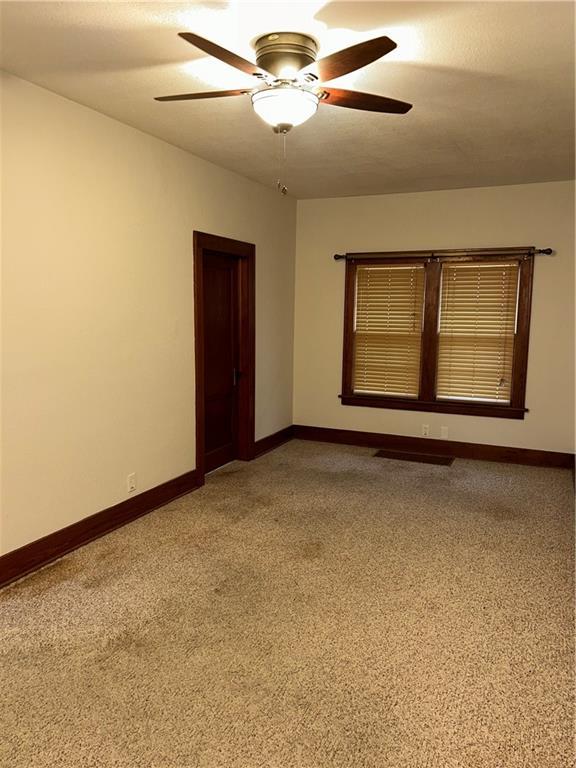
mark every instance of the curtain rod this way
{"type": "Point", "coordinates": [455, 252]}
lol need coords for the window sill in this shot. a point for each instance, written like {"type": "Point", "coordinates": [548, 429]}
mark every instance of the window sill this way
{"type": "Point", "coordinates": [440, 406]}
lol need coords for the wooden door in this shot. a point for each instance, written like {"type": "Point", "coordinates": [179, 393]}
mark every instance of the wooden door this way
{"type": "Point", "coordinates": [224, 324]}
{"type": "Point", "coordinates": [221, 369]}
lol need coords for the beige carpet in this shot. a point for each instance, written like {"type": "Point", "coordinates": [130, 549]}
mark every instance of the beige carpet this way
{"type": "Point", "coordinates": [317, 608]}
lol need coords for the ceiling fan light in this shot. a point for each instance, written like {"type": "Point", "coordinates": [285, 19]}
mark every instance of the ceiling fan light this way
{"type": "Point", "coordinates": [284, 106]}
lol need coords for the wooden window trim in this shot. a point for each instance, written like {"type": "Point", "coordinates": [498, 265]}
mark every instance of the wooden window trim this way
{"type": "Point", "coordinates": [429, 354]}
{"type": "Point", "coordinates": [427, 400]}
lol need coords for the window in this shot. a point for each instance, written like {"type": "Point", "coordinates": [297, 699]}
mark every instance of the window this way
{"type": "Point", "coordinates": [442, 331]}
{"type": "Point", "coordinates": [476, 330]}
{"type": "Point", "coordinates": [388, 329]}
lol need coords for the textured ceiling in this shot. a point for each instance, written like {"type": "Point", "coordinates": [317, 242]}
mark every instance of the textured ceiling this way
{"type": "Point", "coordinates": [492, 86]}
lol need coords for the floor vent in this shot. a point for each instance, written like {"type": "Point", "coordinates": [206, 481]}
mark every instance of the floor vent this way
{"type": "Point", "coordinates": [423, 458]}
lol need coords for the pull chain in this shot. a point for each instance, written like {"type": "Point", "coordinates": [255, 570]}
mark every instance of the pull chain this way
{"type": "Point", "coordinates": [282, 175]}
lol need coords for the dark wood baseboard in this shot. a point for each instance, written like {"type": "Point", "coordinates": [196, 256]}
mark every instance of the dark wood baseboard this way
{"type": "Point", "coordinates": [273, 441]}
{"type": "Point", "coordinates": [30, 557]}
{"type": "Point", "coordinates": [442, 447]}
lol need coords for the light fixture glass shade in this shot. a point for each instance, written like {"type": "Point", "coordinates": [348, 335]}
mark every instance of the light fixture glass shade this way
{"type": "Point", "coordinates": [284, 106]}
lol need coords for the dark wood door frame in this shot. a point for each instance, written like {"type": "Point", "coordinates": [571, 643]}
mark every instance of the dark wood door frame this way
{"type": "Point", "coordinates": [245, 253]}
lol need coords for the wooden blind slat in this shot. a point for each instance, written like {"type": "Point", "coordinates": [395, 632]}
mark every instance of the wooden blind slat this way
{"type": "Point", "coordinates": [388, 329]}
{"type": "Point", "coordinates": [477, 327]}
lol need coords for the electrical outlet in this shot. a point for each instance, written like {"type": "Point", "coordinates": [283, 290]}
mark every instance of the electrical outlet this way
{"type": "Point", "coordinates": [131, 482]}
{"type": "Point", "coordinates": [444, 433]}
{"type": "Point", "coordinates": [425, 430]}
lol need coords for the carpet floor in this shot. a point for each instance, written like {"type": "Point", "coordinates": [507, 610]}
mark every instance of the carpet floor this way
{"type": "Point", "coordinates": [316, 608]}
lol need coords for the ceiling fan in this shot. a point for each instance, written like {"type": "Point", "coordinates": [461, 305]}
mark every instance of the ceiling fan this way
{"type": "Point", "coordinates": [290, 80]}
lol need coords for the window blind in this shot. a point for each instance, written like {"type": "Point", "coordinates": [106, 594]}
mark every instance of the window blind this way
{"type": "Point", "coordinates": [388, 329]}
{"type": "Point", "coordinates": [477, 326]}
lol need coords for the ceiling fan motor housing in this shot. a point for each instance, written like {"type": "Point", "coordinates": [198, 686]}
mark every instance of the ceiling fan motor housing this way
{"type": "Point", "coordinates": [284, 52]}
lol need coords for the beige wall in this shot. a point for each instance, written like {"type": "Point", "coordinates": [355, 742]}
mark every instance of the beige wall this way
{"type": "Point", "coordinates": [533, 214]}
{"type": "Point", "coordinates": [97, 310]}
{"type": "Point", "coordinates": [97, 367]}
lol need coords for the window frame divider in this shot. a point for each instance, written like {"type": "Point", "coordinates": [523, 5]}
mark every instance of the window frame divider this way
{"type": "Point", "coordinates": [429, 339]}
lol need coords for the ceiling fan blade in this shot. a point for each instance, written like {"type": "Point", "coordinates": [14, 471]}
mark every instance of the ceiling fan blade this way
{"type": "Point", "coordinates": [205, 95]}
{"type": "Point", "coordinates": [223, 54]}
{"type": "Point", "coordinates": [367, 101]}
{"type": "Point", "coordinates": [350, 59]}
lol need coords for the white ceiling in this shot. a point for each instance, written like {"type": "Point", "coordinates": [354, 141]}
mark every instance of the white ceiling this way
{"type": "Point", "coordinates": [492, 85]}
